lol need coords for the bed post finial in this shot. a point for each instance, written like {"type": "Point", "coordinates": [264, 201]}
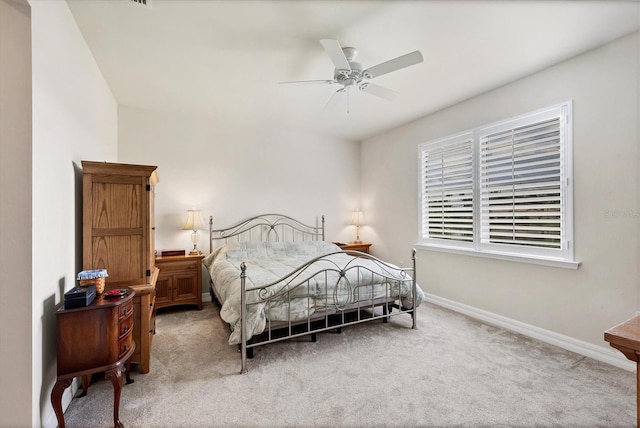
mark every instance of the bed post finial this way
{"type": "Point", "coordinates": [414, 286]}
{"type": "Point", "coordinates": [210, 234]}
{"type": "Point", "coordinates": [243, 318]}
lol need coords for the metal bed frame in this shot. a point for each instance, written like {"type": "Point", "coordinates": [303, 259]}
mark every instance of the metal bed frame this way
{"type": "Point", "coordinates": [337, 314]}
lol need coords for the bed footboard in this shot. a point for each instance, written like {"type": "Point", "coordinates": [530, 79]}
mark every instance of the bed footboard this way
{"type": "Point", "coordinates": [324, 295]}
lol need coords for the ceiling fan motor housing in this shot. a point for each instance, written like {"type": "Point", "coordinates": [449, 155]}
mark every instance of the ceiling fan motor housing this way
{"type": "Point", "coordinates": [345, 77]}
{"type": "Point", "coordinates": [349, 78]}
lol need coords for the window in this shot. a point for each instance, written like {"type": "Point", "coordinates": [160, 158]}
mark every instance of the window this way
{"type": "Point", "coordinates": [448, 185]}
{"type": "Point", "coordinates": [502, 190]}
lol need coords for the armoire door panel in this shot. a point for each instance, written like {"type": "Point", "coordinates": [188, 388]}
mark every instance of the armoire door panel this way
{"type": "Point", "coordinates": [122, 256]}
{"type": "Point", "coordinates": [117, 206]}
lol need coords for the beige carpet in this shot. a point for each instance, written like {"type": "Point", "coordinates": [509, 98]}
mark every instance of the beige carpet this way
{"type": "Point", "coordinates": [452, 371]}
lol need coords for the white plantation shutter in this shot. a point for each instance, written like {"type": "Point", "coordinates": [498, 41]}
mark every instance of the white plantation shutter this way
{"type": "Point", "coordinates": [502, 188]}
{"type": "Point", "coordinates": [520, 186]}
{"type": "Point", "coordinates": [447, 177]}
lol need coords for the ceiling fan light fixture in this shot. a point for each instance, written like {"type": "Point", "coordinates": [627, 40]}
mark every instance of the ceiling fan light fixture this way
{"type": "Point", "coordinates": [349, 84]}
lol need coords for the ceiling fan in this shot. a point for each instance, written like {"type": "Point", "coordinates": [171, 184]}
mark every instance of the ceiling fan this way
{"type": "Point", "coordinates": [350, 74]}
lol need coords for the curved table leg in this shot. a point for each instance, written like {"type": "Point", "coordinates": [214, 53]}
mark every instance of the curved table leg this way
{"type": "Point", "coordinates": [56, 399]}
{"type": "Point", "coordinates": [128, 372]}
{"type": "Point", "coordinates": [115, 376]}
{"type": "Point", "coordinates": [86, 381]}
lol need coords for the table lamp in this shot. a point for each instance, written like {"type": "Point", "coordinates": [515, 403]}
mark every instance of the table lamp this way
{"type": "Point", "coordinates": [194, 222]}
{"type": "Point", "coordinates": [356, 219]}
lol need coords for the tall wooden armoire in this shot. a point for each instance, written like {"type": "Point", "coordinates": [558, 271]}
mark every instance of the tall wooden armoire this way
{"type": "Point", "coordinates": [118, 235]}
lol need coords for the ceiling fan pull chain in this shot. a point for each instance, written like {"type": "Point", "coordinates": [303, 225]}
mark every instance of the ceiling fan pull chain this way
{"type": "Point", "coordinates": [347, 102]}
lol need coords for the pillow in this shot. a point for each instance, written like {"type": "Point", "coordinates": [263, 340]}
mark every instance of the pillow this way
{"type": "Point", "coordinates": [241, 251]}
{"type": "Point", "coordinates": [310, 248]}
{"type": "Point", "coordinates": [208, 259]}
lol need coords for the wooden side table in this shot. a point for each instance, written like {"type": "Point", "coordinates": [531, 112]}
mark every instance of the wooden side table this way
{"type": "Point", "coordinates": [92, 339]}
{"type": "Point", "coordinates": [362, 247]}
{"type": "Point", "coordinates": [625, 338]}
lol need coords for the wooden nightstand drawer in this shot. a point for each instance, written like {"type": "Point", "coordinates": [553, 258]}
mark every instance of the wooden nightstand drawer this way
{"type": "Point", "coordinates": [179, 265]}
{"type": "Point", "coordinates": [125, 344]}
{"type": "Point", "coordinates": [126, 327]}
{"type": "Point", "coordinates": [126, 310]}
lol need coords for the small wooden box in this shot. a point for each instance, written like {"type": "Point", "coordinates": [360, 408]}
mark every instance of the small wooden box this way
{"type": "Point", "coordinates": [173, 252]}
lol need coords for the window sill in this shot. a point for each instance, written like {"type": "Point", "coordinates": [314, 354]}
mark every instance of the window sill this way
{"type": "Point", "coordinates": [566, 264]}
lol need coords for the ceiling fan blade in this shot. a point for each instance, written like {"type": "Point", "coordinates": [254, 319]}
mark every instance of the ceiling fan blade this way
{"type": "Point", "coordinates": [334, 50]}
{"type": "Point", "coordinates": [335, 99]}
{"type": "Point", "coordinates": [308, 82]}
{"type": "Point", "coordinates": [379, 91]}
{"type": "Point", "coordinates": [398, 63]}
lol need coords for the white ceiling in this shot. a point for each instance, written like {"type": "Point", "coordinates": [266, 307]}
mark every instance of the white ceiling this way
{"type": "Point", "coordinates": [225, 59]}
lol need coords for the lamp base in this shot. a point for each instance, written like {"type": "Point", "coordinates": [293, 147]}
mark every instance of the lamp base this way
{"type": "Point", "coordinates": [195, 251]}
{"type": "Point", "coordinates": [357, 241]}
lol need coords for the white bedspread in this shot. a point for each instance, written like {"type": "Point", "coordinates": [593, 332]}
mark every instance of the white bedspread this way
{"type": "Point", "coordinates": [268, 262]}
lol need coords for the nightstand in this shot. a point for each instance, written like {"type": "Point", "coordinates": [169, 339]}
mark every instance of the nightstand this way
{"type": "Point", "coordinates": [362, 247]}
{"type": "Point", "coordinates": [179, 281]}
{"type": "Point", "coordinates": [93, 339]}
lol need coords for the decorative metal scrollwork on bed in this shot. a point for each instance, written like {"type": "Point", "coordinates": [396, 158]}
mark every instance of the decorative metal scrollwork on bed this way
{"type": "Point", "coordinates": [266, 227]}
{"type": "Point", "coordinates": [278, 279]}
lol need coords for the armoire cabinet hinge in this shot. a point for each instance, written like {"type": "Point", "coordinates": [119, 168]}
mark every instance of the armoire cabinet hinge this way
{"type": "Point", "coordinates": [148, 187]}
{"type": "Point", "coordinates": [148, 272]}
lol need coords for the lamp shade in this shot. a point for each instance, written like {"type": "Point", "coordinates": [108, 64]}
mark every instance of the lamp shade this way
{"type": "Point", "coordinates": [194, 221]}
{"type": "Point", "coordinates": [357, 218]}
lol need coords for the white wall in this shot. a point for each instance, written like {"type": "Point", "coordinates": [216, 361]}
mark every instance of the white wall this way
{"type": "Point", "coordinates": [74, 118]}
{"type": "Point", "coordinates": [15, 213]}
{"type": "Point", "coordinates": [578, 303]}
{"type": "Point", "coordinates": [233, 173]}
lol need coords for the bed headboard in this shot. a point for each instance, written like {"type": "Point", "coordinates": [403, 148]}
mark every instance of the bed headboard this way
{"type": "Point", "coordinates": [266, 227]}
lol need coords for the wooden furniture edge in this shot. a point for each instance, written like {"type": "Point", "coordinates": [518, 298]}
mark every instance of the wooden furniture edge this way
{"type": "Point", "coordinates": [625, 337]}
{"type": "Point", "coordinates": [146, 293]}
{"type": "Point", "coordinates": [107, 168]}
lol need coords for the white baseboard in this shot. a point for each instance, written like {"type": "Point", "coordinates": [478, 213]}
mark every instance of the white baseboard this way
{"type": "Point", "coordinates": [600, 353]}
{"type": "Point", "coordinates": [51, 421]}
